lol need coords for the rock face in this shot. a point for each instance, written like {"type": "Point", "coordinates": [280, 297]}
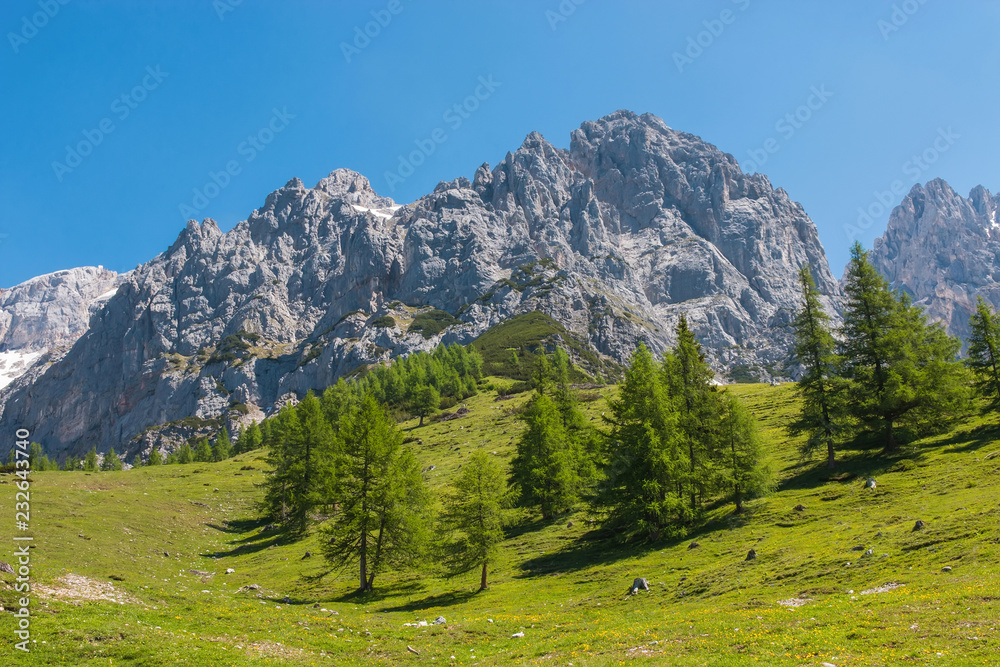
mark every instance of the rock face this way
{"type": "Point", "coordinates": [943, 250]}
{"type": "Point", "coordinates": [48, 313]}
{"type": "Point", "coordinates": [615, 238]}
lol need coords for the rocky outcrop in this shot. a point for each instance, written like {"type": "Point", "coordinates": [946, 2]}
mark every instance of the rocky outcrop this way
{"type": "Point", "coordinates": [49, 312]}
{"type": "Point", "coordinates": [615, 237]}
{"type": "Point", "coordinates": [943, 250]}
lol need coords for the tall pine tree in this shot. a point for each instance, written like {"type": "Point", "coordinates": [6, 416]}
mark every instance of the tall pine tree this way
{"type": "Point", "coordinates": [476, 512]}
{"type": "Point", "coordinates": [984, 352]}
{"type": "Point", "coordinates": [546, 467]}
{"type": "Point", "coordinates": [645, 465]}
{"type": "Point", "coordinates": [381, 496]}
{"type": "Point", "coordinates": [820, 388]}
{"type": "Point", "coordinates": [746, 474]}
{"type": "Point", "coordinates": [688, 380]}
{"type": "Point", "coordinates": [903, 372]}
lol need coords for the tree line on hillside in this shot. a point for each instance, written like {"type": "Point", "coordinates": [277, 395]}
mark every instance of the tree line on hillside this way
{"type": "Point", "coordinates": [419, 384]}
{"type": "Point", "coordinates": [887, 374]}
{"type": "Point", "coordinates": [674, 444]}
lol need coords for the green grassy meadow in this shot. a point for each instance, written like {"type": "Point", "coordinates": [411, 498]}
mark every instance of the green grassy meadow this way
{"type": "Point", "coordinates": [152, 545]}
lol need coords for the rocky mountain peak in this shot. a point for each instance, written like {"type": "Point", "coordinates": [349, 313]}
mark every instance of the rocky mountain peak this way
{"type": "Point", "coordinates": [42, 317]}
{"type": "Point", "coordinates": [353, 188]}
{"type": "Point", "coordinates": [943, 250]}
{"type": "Point", "coordinates": [614, 237]}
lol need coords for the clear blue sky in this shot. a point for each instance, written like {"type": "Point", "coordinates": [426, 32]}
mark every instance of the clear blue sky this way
{"type": "Point", "coordinates": [217, 81]}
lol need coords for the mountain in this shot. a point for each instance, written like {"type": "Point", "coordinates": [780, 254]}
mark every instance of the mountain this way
{"type": "Point", "coordinates": [944, 250]}
{"type": "Point", "coordinates": [48, 313]}
{"type": "Point", "coordinates": [614, 238]}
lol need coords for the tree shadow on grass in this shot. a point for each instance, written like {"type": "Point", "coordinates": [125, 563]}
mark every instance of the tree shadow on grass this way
{"type": "Point", "coordinates": [237, 526]}
{"type": "Point", "coordinates": [864, 457]}
{"type": "Point", "coordinates": [440, 600]}
{"type": "Point", "coordinates": [968, 440]}
{"type": "Point", "coordinates": [356, 596]}
{"type": "Point", "coordinates": [257, 541]}
{"type": "Point", "coordinates": [596, 547]}
{"type": "Point", "coordinates": [522, 528]}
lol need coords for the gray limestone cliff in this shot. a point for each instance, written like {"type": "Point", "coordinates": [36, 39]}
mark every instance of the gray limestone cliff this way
{"type": "Point", "coordinates": [615, 237]}
{"type": "Point", "coordinates": [943, 250]}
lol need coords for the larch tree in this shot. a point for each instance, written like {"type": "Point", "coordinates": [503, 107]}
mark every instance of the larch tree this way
{"type": "Point", "coordinates": [821, 389]}
{"type": "Point", "coordinates": [688, 380]}
{"type": "Point", "coordinates": [745, 472]}
{"type": "Point", "coordinates": [476, 511]}
{"type": "Point", "coordinates": [380, 495]}
{"type": "Point", "coordinates": [984, 352]}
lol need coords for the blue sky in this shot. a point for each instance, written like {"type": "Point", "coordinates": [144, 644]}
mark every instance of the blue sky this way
{"type": "Point", "coordinates": [159, 96]}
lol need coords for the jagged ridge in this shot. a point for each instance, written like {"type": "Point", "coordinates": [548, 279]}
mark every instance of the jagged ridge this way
{"type": "Point", "coordinates": [614, 238]}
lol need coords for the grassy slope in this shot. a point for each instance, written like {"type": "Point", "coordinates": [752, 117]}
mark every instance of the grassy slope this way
{"type": "Point", "coordinates": [562, 586]}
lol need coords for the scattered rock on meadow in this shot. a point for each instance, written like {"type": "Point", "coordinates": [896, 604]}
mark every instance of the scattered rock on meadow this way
{"type": "Point", "coordinates": [751, 555]}
{"type": "Point", "coordinates": [286, 600]}
{"type": "Point", "coordinates": [884, 588]}
{"type": "Point", "coordinates": [800, 508]}
{"type": "Point", "coordinates": [693, 545]}
{"type": "Point", "coordinates": [517, 634]}
{"type": "Point", "coordinates": [638, 584]}
{"type": "Point", "coordinates": [919, 525]}
{"type": "Point", "coordinates": [569, 524]}
{"type": "Point", "coordinates": [870, 483]}
{"type": "Point", "coordinates": [439, 620]}
{"type": "Point", "coordinates": [307, 554]}
{"type": "Point", "coordinates": [857, 548]}
{"type": "Point", "coordinates": [412, 650]}
{"type": "Point", "coordinates": [946, 568]}
{"type": "Point", "coordinates": [230, 570]}
{"type": "Point", "coordinates": [5, 567]}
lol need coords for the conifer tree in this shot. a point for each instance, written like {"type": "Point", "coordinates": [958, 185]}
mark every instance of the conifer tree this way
{"type": "Point", "coordinates": [137, 461]}
{"type": "Point", "coordinates": [111, 461]}
{"type": "Point", "coordinates": [381, 496]}
{"type": "Point", "coordinates": [645, 467]}
{"type": "Point", "coordinates": [746, 474]}
{"type": "Point", "coordinates": [820, 388]}
{"type": "Point", "coordinates": [155, 458]}
{"type": "Point", "coordinates": [984, 352]}
{"type": "Point", "coordinates": [688, 381]}
{"type": "Point", "coordinates": [184, 454]}
{"type": "Point", "coordinates": [903, 372]}
{"type": "Point", "coordinates": [424, 401]}
{"type": "Point", "coordinates": [476, 512]}
{"type": "Point", "coordinates": [203, 452]}
{"type": "Point", "coordinates": [223, 446]}
{"type": "Point", "coordinates": [90, 461]}
{"type": "Point", "coordinates": [285, 434]}
{"type": "Point", "coordinates": [546, 467]}
{"type": "Point", "coordinates": [35, 456]}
